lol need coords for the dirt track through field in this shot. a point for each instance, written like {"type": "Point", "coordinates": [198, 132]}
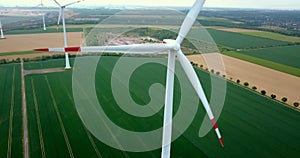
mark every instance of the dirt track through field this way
{"type": "Point", "coordinates": [26, 42]}
{"type": "Point", "coordinates": [43, 71]}
{"type": "Point", "coordinates": [274, 82]}
{"type": "Point", "coordinates": [24, 115]}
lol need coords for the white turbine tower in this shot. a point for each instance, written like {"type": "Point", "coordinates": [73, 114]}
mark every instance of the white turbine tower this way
{"type": "Point", "coordinates": [62, 16]}
{"type": "Point", "coordinates": [43, 15]}
{"type": "Point", "coordinates": [1, 30]}
{"type": "Point", "coordinates": [173, 48]}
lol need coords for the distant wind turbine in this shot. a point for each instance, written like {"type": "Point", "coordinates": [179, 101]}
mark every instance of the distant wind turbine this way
{"type": "Point", "coordinates": [62, 16]}
{"type": "Point", "coordinates": [174, 49]}
{"type": "Point", "coordinates": [1, 30]}
{"type": "Point", "coordinates": [43, 15]}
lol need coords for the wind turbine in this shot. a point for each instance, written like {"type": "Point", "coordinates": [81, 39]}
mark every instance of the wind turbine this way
{"type": "Point", "coordinates": [43, 15]}
{"type": "Point", "coordinates": [62, 16]}
{"type": "Point", "coordinates": [1, 30]}
{"type": "Point", "coordinates": [173, 48]}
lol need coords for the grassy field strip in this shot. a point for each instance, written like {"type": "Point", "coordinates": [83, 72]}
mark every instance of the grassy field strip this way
{"type": "Point", "coordinates": [266, 63]}
{"type": "Point", "coordinates": [39, 31]}
{"type": "Point", "coordinates": [287, 55]}
{"type": "Point", "coordinates": [116, 140]}
{"type": "Point", "coordinates": [60, 120]}
{"type": "Point", "coordinates": [272, 35]}
{"type": "Point", "coordinates": [55, 63]}
{"type": "Point", "coordinates": [244, 41]}
{"type": "Point", "coordinates": [19, 53]}
{"type": "Point", "coordinates": [8, 154]}
{"type": "Point", "coordinates": [86, 131]}
{"type": "Point", "coordinates": [38, 120]}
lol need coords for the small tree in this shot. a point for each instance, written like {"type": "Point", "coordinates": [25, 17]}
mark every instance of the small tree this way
{"type": "Point", "coordinates": [263, 92]}
{"type": "Point", "coordinates": [224, 76]}
{"type": "Point", "coordinates": [201, 66]}
{"type": "Point", "coordinates": [18, 60]}
{"type": "Point", "coordinates": [273, 96]}
{"type": "Point", "coordinates": [284, 99]}
{"type": "Point", "coordinates": [246, 84]}
{"type": "Point", "coordinates": [218, 73]}
{"type": "Point", "coordinates": [254, 87]}
{"type": "Point", "coordinates": [3, 61]}
{"type": "Point", "coordinates": [296, 104]}
{"type": "Point", "coordinates": [238, 81]}
{"type": "Point", "coordinates": [212, 70]}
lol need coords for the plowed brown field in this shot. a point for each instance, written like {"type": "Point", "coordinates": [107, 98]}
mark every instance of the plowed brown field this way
{"type": "Point", "coordinates": [26, 42]}
{"type": "Point", "coordinates": [274, 82]}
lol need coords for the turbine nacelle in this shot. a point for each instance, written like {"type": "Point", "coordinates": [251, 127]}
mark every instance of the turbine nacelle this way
{"type": "Point", "coordinates": [172, 43]}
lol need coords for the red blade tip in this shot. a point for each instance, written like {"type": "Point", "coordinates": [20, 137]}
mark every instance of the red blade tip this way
{"type": "Point", "coordinates": [42, 49]}
{"type": "Point", "coordinates": [72, 49]}
{"type": "Point", "coordinates": [222, 142]}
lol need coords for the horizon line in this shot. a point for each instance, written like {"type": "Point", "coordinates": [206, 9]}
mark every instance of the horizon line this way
{"type": "Point", "coordinates": [145, 6]}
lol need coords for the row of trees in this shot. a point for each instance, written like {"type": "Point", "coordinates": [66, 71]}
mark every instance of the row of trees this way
{"type": "Point", "coordinates": [5, 61]}
{"type": "Point", "coordinates": [246, 84]}
{"type": "Point", "coordinates": [264, 92]}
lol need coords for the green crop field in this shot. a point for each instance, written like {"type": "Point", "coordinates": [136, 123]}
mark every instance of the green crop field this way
{"type": "Point", "coordinates": [55, 63]}
{"type": "Point", "coordinates": [10, 111]}
{"type": "Point", "coordinates": [241, 41]}
{"type": "Point", "coordinates": [272, 35]}
{"type": "Point", "coordinates": [284, 55]}
{"type": "Point", "coordinates": [38, 31]}
{"type": "Point", "coordinates": [19, 53]}
{"type": "Point", "coordinates": [252, 125]}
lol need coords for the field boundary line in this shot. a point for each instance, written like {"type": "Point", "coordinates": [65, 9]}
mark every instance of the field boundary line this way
{"type": "Point", "coordinates": [38, 120]}
{"type": "Point", "coordinates": [59, 119]}
{"type": "Point", "coordinates": [87, 132]}
{"type": "Point", "coordinates": [92, 142]}
{"type": "Point", "coordinates": [11, 115]}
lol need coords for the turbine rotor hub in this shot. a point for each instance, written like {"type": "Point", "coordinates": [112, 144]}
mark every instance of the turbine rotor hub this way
{"type": "Point", "coordinates": [173, 43]}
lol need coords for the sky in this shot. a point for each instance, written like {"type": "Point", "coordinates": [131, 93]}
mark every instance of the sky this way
{"type": "Point", "coordinates": [271, 4]}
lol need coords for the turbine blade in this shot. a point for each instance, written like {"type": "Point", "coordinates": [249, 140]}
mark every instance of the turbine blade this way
{"type": "Point", "coordinates": [192, 76]}
{"type": "Point", "coordinates": [59, 17]}
{"type": "Point", "coordinates": [57, 3]}
{"type": "Point", "coordinates": [72, 3]}
{"type": "Point", "coordinates": [44, 24]}
{"type": "Point", "coordinates": [189, 20]}
{"type": "Point", "coordinates": [168, 110]}
{"type": "Point", "coordinates": [127, 49]}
